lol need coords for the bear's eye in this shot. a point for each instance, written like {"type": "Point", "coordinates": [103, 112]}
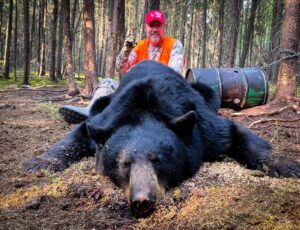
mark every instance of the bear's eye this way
{"type": "Point", "coordinates": [154, 159]}
{"type": "Point", "coordinates": [127, 163]}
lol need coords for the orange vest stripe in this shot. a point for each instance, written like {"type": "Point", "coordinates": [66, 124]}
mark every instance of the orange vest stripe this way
{"type": "Point", "coordinates": [141, 50]}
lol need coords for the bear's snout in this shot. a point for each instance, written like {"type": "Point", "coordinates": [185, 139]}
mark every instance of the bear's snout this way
{"type": "Point", "coordinates": [142, 205]}
{"type": "Point", "coordinates": [144, 189]}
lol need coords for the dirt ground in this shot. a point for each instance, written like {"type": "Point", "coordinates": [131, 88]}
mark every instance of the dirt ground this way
{"type": "Point", "coordinates": [222, 195]}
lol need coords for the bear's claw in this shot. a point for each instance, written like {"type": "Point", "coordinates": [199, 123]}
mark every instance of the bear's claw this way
{"type": "Point", "coordinates": [44, 162]}
{"type": "Point", "coordinates": [282, 167]}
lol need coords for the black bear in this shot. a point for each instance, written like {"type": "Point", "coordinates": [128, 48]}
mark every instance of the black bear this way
{"type": "Point", "coordinates": [154, 132]}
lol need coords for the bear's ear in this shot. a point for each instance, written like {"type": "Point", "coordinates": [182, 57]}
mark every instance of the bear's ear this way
{"type": "Point", "coordinates": [184, 124]}
{"type": "Point", "coordinates": [99, 134]}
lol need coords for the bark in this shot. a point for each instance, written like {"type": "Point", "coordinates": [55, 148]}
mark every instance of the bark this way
{"type": "Point", "coordinates": [104, 34]}
{"type": "Point", "coordinates": [79, 55]}
{"type": "Point", "coordinates": [100, 36]}
{"type": "Point", "coordinates": [72, 87]}
{"type": "Point", "coordinates": [53, 40]}
{"type": "Point", "coordinates": [275, 38]}
{"type": "Point", "coordinates": [204, 33]}
{"type": "Point", "coordinates": [121, 24]}
{"type": "Point", "coordinates": [151, 5]}
{"type": "Point", "coordinates": [236, 5]}
{"type": "Point", "coordinates": [43, 41]}
{"type": "Point", "coordinates": [219, 40]}
{"type": "Point", "coordinates": [73, 31]}
{"type": "Point", "coordinates": [91, 80]}
{"type": "Point", "coordinates": [8, 40]}
{"type": "Point", "coordinates": [73, 17]}
{"type": "Point", "coordinates": [188, 63]}
{"type": "Point", "coordinates": [16, 39]}
{"type": "Point", "coordinates": [1, 35]}
{"type": "Point", "coordinates": [183, 22]}
{"type": "Point", "coordinates": [26, 42]}
{"type": "Point", "coordinates": [112, 38]}
{"type": "Point", "coordinates": [40, 30]}
{"type": "Point", "coordinates": [60, 43]}
{"type": "Point", "coordinates": [248, 33]}
{"type": "Point", "coordinates": [286, 84]}
{"type": "Point", "coordinates": [32, 34]}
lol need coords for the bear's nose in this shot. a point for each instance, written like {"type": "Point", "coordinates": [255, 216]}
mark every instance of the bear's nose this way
{"type": "Point", "coordinates": [142, 205]}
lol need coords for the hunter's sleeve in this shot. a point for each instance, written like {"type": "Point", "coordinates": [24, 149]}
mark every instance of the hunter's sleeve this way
{"type": "Point", "coordinates": [125, 61]}
{"type": "Point", "coordinates": [176, 61]}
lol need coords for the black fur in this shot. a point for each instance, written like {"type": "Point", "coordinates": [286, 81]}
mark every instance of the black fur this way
{"type": "Point", "coordinates": [156, 117]}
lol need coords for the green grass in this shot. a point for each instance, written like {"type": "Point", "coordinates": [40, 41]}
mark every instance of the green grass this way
{"type": "Point", "coordinates": [35, 81]}
{"type": "Point", "coordinates": [51, 110]}
{"type": "Point", "coordinates": [272, 88]}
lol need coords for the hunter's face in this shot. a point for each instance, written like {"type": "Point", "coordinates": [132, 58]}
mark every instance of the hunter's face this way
{"type": "Point", "coordinates": [155, 32]}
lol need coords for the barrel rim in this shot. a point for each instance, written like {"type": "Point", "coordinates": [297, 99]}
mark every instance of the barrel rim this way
{"type": "Point", "coordinates": [266, 85]}
{"type": "Point", "coordinates": [220, 81]}
{"type": "Point", "coordinates": [246, 87]}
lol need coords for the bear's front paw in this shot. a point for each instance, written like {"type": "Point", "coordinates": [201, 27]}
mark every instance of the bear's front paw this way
{"type": "Point", "coordinates": [282, 167]}
{"type": "Point", "coordinates": [44, 162]}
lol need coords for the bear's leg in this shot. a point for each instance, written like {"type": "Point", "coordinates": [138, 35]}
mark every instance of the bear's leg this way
{"type": "Point", "coordinates": [74, 146]}
{"type": "Point", "coordinates": [254, 152]}
{"type": "Point", "coordinates": [74, 115]}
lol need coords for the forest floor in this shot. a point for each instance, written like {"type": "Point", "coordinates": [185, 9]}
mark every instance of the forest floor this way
{"type": "Point", "coordinates": [222, 195]}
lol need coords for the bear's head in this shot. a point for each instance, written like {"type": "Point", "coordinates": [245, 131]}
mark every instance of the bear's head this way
{"type": "Point", "coordinates": [144, 158]}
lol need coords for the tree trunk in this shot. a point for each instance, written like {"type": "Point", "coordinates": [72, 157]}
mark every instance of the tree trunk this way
{"type": "Point", "coordinates": [100, 36]}
{"type": "Point", "coordinates": [73, 31]}
{"type": "Point", "coordinates": [204, 33]}
{"type": "Point", "coordinates": [72, 87]}
{"type": "Point", "coordinates": [16, 39]}
{"type": "Point", "coordinates": [1, 35]}
{"type": "Point", "coordinates": [60, 43]}
{"type": "Point", "coordinates": [275, 38]}
{"type": "Point", "coordinates": [43, 41]}
{"type": "Point", "coordinates": [91, 80]}
{"type": "Point", "coordinates": [79, 55]}
{"type": "Point", "coordinates": [219, 40]}
{"type": "Point", "coordinates": [286, 84]}
{"type": "Point", "coordinates": [32, 34]}
{"type": "Point", "coordinates": [26, 42]}
{"type": "Point", "coordinates": [113, 36]}
{"type": "Point", "coordinates": [121, 24]}
{"type": "Point", "coordinates": [183, 22]}
{"type": "Point", "coordinates": [188, 63]}
{"type": "Point", "coordinates": [53, 40]}
{"type": "Point", "coordinates": [73, 17]}
{"type": "Point", "coordinates": [151, 5]}
{"type": "Point", "coordinates": [40, 30]}
{"type": "Point", "coordinates": [8, 40]}
{"type": "Point", "coordinates": [248, 33]}
{"type": "Point", "coordinates": [104, 34]}
{"type": "Point", "coordinates": [236, 4]}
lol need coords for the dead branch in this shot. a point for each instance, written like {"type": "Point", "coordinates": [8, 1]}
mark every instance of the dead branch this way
{"type": "Point", "coordinates": [295, 99]}
{"type": "Point", "coordinates": [61, 98]}
{"type": "Point", "coordinates": [272, 119]}
{"type": "Point", "coordinates": [261, 113]}
{"type": "Point", "coordinates": [51, 91]}
{"type": "Point", "coordinates": [268, 126]}
{"type": "Point", "coordinates": [35, 89]}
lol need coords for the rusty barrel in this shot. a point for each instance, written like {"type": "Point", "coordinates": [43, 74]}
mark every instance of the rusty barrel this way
{"type": "Point", "coordinates": [238, 88]}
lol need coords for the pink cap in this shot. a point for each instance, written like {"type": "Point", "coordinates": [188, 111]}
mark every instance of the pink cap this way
{"type": "Point", "coordinates": [155, 15]}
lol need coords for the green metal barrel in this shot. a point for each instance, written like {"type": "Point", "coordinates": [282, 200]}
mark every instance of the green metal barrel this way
{"type": "Point", "coordinates": [238, 88]}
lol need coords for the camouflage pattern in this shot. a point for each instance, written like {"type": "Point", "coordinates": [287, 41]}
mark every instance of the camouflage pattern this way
{"type": "Point", "coordinates": [176, 60]}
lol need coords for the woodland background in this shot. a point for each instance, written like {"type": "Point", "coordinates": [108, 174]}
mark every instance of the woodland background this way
{"type": "Point", "coordinates": [65, 39]}
{"type": "Point", "coordinates": [46, 43]}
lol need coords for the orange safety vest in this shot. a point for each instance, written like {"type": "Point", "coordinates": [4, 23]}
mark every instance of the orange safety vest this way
{"type": "Point", "coordinates": [141, 50]}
